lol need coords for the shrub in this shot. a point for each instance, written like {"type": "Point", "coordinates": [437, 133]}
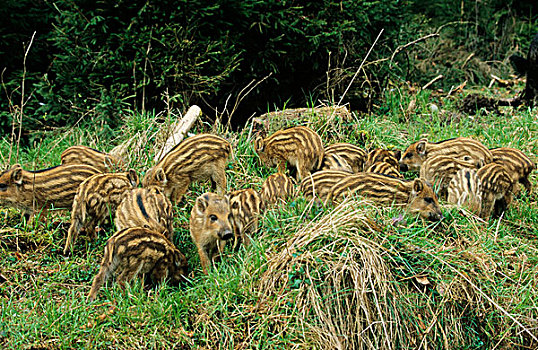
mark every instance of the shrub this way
{"type": "Point", "coordinates": [109, 56]}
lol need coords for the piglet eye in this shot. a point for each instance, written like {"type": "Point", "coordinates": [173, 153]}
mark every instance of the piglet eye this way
{"type": "Point", "coordinates": [3, 187]}
{"type": "Point", "coordinates": [428, 200]}
{"type": "Point", "coordinates": [213, 218]}
{"type": "Point", "coordinates": [408, 155]}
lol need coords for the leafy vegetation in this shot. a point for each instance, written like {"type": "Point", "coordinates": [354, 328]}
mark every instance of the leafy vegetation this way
{"type": "Point", "coordinates": [106, 57]}
{"type": "Point", "coordinates": [68, 62]}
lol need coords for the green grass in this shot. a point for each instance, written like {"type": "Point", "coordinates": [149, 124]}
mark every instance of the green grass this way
{"type": "Point", "coordinates": [462, 283]}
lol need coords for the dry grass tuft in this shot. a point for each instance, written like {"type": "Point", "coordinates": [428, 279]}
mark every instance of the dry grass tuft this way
{"type": "Point", "coordinates": [135, 150]}
{"type": "Point", "coordinates": [335, 283]}
{"type": "Point", "coordinates": [343, 283]}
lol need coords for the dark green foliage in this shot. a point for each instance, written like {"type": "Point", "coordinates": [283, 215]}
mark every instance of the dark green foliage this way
{"type": "Point", "coordinates": [20, 19]}
{"type": "Point", "coordinates": [132, 52]}
{"type": "Point", "coordinates": [103, 56]}
{"type": "Point", "coordinates": [91, 60]}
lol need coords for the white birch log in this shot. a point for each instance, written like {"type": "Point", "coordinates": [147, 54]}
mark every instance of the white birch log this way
{"type": "Point", "coordinates": [177, 132]}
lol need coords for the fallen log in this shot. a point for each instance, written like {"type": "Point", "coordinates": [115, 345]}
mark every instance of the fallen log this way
{"type": "Point", "coordinates": [176, 132]}
{"type": "Point", "coordinates": [163, 140]}
{"type": "Point", "coordinates": [270, 122]}
{"type": "Point", "coordinates": [473, 102]}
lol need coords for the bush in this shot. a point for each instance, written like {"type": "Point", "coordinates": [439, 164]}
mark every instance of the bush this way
{"type": "Point", "coordinates": [109, 56]}
{"type": "Point", "coordinates": [95, 60]}
{"type": "Point", "coordinates": [130, 54]}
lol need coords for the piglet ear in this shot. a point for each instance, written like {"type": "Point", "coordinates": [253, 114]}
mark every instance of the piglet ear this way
{"type": "Point", "coordinates": [16, 175]}
{"type": "Point", "coordinates": [132, 176]}
{"type": "Point", "coordinates": [160, 176]}
{"type": "Point", "coordinates": [418, 185]}
{"type": "Point", "coordinates": [421, 147]}
{"type": "Point", "coordinates": [201, 203]}
{"type": "Point", "coordinates": [259, 144]}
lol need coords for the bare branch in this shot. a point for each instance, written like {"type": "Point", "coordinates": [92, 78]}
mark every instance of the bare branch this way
{"type": "Point", "coordinates": [439, 77]}
{"type": "Point", "coordinates": [21, 109]}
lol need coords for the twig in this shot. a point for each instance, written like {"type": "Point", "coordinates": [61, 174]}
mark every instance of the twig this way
{"type": "Point", "coordinates": [242, 94]}
{"type": "Point", "coordinates": [360, 67]}
{"type": "Point", "coordinates": [145, 70]}
{"type": "Point", "coordinates": [467, 60]}
{"type": "Point", "coordinates": [402, 47]}
{"type": "Point", "coordinates": [21, 112]}
{"type": "Point", "coordinates": [331, 117]}
{"type": "Point", "coordinates": [440, 76]}
{"type": "Point", "coordinates": [457, 88]}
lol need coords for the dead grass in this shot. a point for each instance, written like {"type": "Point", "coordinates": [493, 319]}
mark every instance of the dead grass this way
{"type": "Point", "coordinates": [335, 283]}
{"type": "Point", "coordinates": [339, 281]}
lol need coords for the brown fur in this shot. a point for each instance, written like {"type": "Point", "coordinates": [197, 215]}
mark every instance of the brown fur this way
{"type": "Point", "coordinates": [439, 170]}
{"type": "Point", "coordinates": [277, 187]}
{"type": "Point", "coordinates": [353, 155]}
{"type": "Point", "coordinates": [146, 207]}
{"type": "Point", "coordinates": [416, 195]}
{"type": "Point", "coordinates": [465, 189]}
{"type": "Point", "coordinates": [299, 146]}
{"type": "Point", "coordinates": [497, 188]}
{"type": "Point", "coordinates": [332, 161]}
{"type": "Point", "coordinates": [32, 191]}
{"type": "Point", "coordinates": [379, 155]}
{"type": "Point", "coordinates": [97, 197]}
{"type": "Point", "coordinates": [418, 152]}
{"type": "Point", "coordinates": [197, 158]}
{"type": "Point", "coordinates": [139, 251]}
{"type": "Point", "coordinates": [246, 206]}
{"type": "Point", "coordinates": [105, 163]}
{"type": "Point", "coordinates": [516, 163]}
{"type": "Point", "coordinates": [210, 226]}
{"type": "Point", "coordinates": [385, 169]}
{"type": "Point", "coordinates": [320, 183]}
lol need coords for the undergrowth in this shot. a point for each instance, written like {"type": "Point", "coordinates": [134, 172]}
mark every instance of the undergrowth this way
{"type": "Point", "coordinates": [354, 276]}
